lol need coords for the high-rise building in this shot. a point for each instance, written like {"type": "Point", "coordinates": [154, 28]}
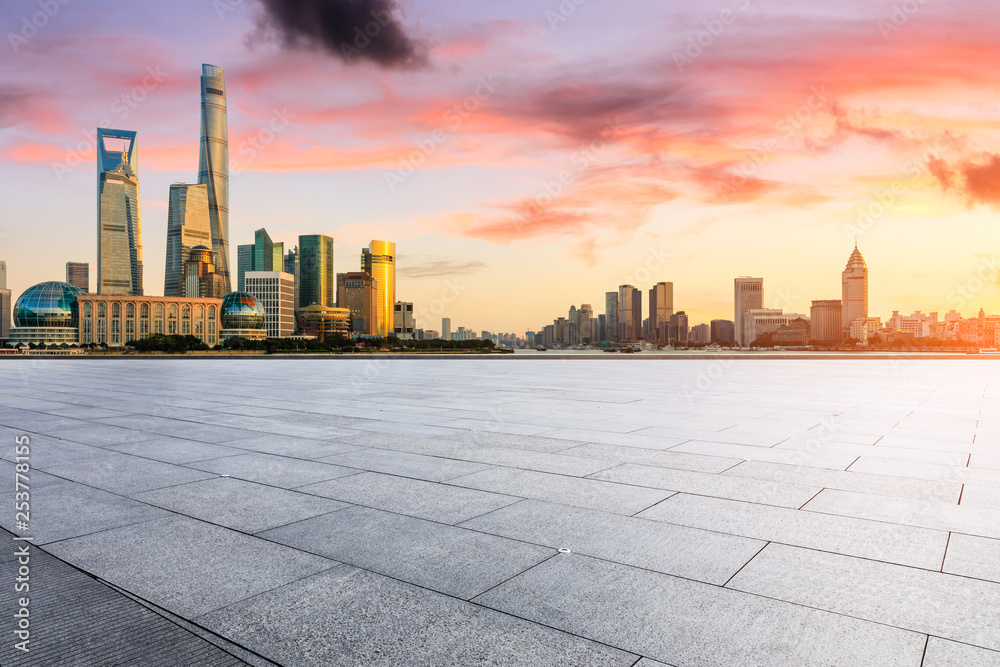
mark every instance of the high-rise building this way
{"type": "Point", "coordinates": [263, 251]}
{"type": "Point", "coordinates": [749, 296]}
{"type": "Point", "coordinates": [292, 267]}
{"type": "Point", "coordinates": [610, 317]}
{"type": "Point", "coordinates": [403, 320]}
{"type": "Point", "coordinates": [213, 163]}
{"type": "Point", "coordinates": [825, 317]}
{"type": "Point", "coordinates": [188, 226]}
{"type": "Point", "coordinates": [629, 313]}
{"type": "Point", "coordinates": [5, 312]}
{"type": "Point", "coordinates": [661, 307]}
{"type": "Point", "coordinates": [723, 331]}
{"type": "Point", "coordinates": [77, 275]}
{"type": "Point", "coordinates": [119, 225]}
{"type": "Point", "coordinates": [317, 281]}
{"type": "Point", "coordinates": [199, 279]}
{"type": "Point", "coordinates": [357, 292]}
{"type": "Point", "coordinates": [244, 264]}
{"type": "Point", "coordinates": [701, 333]}
{"type": "Point", "coordinates": [585, 317]}
{"type": "Point", "coordinates": [275, 292]}
{"type": "Point", "coordinates": [446, 328]}
{"type": "Point", "coordinates": [379, 261]}
{"type": "Point", "coordinates": [854, 283]}
{"type": "Point", "coordinates": [677, 328]}
{"type": "Point", "coordinates": [3, 275]}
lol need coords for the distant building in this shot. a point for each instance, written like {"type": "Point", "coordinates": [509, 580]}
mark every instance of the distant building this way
{"type": "Point", "coordinates": [854, 284]}
{"type": "Point", "coordinates": [677, 328]}
{"type": "Point", "coordinates": [749, 296]}
{"type": "Point", "coordinates": [661, 307]}
{"type": "Point", "coordinates": [213, 164]}
{"type": "Point", "coordinates": [5, 312]}
{"type": "Point", "coordinates": [863, 329]}
{"type": "Point", "coordinates": [701, 333]}
{"type": "Point", "coordinates": [77, 275]}
{"type": "Point", "coordinates": [117, 319]}
{"type": "Point", "coordinates": [403, 320]}
{"type": "Point", "coordinates": [379, 261]}
{"type": "Point", "coordinates": [292, 268]}
{"type": "Point", "coordinates": [446, 328]}
{"type": "Point", "coordinates": [244, 264]}
{"type": "Point", "coordinates": [610, 332]}
{"type": "Point", "coordinates": [119, 224]}
{"type": "Point", "coordinates": [795, 332]}
{"type": "Point", "coordinates": [317, 280]}
{"type": "Point", "coordinates": [917, 325]}
{"type": "Point", "coordinates": [188, 226]}
{"type": "Point", "coordinates": [323, 322]}
{"type": "Point", "coordinates": [585, 323]}
{"type": "Point", "coordinates": [723, 331]}
{"type": "Point", "coordinates": [199, 279]}
{"type": "Point", "coordinates": [357, 292]}
{"type": "Point", "coordinates": [763, 321]}
{"type": "Point", "coordinates": [629, 313]}
{"type": "Point", "coordinates": [825, 319]}
{"type": "Point", "coordinates": [3, 275]}
{"type": "Point", "coordinates": [275, 292]}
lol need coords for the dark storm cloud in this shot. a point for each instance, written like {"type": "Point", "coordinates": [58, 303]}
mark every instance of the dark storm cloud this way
{"type": "Point", "coordinates": [352, 30]}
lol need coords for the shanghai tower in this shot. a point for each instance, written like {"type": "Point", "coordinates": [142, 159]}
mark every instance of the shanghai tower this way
{"type": "Point", "coordinates": [213, 164]}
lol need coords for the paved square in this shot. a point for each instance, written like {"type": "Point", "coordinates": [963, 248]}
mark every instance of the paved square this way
{"type": "Point", "coordinates": [522, 511]}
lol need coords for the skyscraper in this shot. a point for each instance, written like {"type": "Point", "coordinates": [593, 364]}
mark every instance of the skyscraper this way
{"type": "Point", "coordinates": [749, 296]}
{"type": "Point", "coordinates": [722, 331]}
{"type": "Point", "coordinates": [446, 328]}
{"type": "Point", "coordinates": [188, 226]}
{"type": "Point", "coordinates": [119, 225]}
{"type": "Point", "coordinates": [244, 263]}
{"type": "Point", "coordinates": [661, 307]}
{"type": "Point", "coordinates": [585, 319]}
{"type": "Point", "coordinates": [854, 283]}
{"type": "Point", "coordinates": [213, 163]}
{"type": "Point", "coordinates": [263, 251]}
{"type": "Point", "coordinates": [3, 275]}
{"type": "Point", "coordinates": [198, 279]}
{"type": "Point", "coordinates": [629, 313]}
{"type": "Point", "coordinates": [610, 316]}
{"type": "Point", "coordinates": [825, 317]}
{"type": "Point", "coordinates": [77, 275]}
{"type": "Point", "coordinates": [379, 261]}
{"type": "Point", "coordinates": [317, 281]}
{"type": "Point", "coordinates": [358, 293]}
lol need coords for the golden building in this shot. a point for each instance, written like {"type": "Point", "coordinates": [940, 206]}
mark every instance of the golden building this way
{"type": "Point", "coordinates": [379, 261]}
{"type": "Point", "coordinates": [323, 322]}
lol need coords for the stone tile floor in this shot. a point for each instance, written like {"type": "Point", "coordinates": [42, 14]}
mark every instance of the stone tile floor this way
{"type": "Point", "coordinates": [513, 511]}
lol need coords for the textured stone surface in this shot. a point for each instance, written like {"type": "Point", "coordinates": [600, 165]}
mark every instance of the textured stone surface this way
{"type": "Point", "coordinates": [368, 498]}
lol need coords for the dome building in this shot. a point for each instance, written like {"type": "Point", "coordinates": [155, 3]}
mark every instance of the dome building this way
{"type": "Point", "coordinates": [242, 317]}
{"type": "Point", "coordinates": [47, 313]}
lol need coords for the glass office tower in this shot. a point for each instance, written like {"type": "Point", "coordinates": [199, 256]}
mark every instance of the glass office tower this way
{"type": "Point", "coordinates": [263, 251]}
{"type": "Point", "coordinates": [119, 226]}
{"type": "Point", "coordinates": [188, 226]}
{"type": "Point", "coordinates": [316, 280]}
{"type": "Point", "coordinates": [379, 261]}
{"type": "Point", "coordinates": [213, 163]}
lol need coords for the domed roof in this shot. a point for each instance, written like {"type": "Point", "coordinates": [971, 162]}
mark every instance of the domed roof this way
{"type": "Point", "coordinates": [51, 304]}
{"type": "Point", "coordinates": [241, 311]}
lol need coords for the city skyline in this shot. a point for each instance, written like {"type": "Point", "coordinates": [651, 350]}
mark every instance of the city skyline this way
{"type": "Point", "coordinates": [328, 153]}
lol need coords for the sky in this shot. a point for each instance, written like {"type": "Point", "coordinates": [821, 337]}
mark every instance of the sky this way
{"type": "Point", "coordinates": [529, 155]}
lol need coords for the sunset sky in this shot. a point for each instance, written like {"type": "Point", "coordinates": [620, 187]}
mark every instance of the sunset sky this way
{"type": "Point", "coordinates": [596, 143]}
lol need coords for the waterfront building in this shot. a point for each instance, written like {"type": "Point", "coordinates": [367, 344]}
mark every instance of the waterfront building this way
{"type": "Point", "coordinates": [242, 316]}
{"type": "Point", "coordinates": [199, 279]}
{"type": "Point", "coordinates": [403, 320]}
{"type": "Point", "coordinates": [825, 321]}
{"type": "Point", "coordinates": [723, 331]}
{"type": "Point", "coordinates": [317, 280]}
{"type": "Point", "coordinates": [357, 292]}
{"type": "Point", "coordinates": [275, 293]}
{"type": "Point", "coordinates": [749, 296]}
{"type": "Point", "coordinates": [854, 285]}
{"type": "Point", "coordinates": [119, 224]}
{"type": "Point", "coordinates": [661, 307]}
{"type": "Point", "coordinates": [323, 321]}
{"type": "Point", "coordinates": [379, 261]}
{"type": "Point", "coordinates": [77, 274]}
{"type": "Point", "coordinates": [213, 164]}
{"type": "Point", "coordinates": [188, 226]}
